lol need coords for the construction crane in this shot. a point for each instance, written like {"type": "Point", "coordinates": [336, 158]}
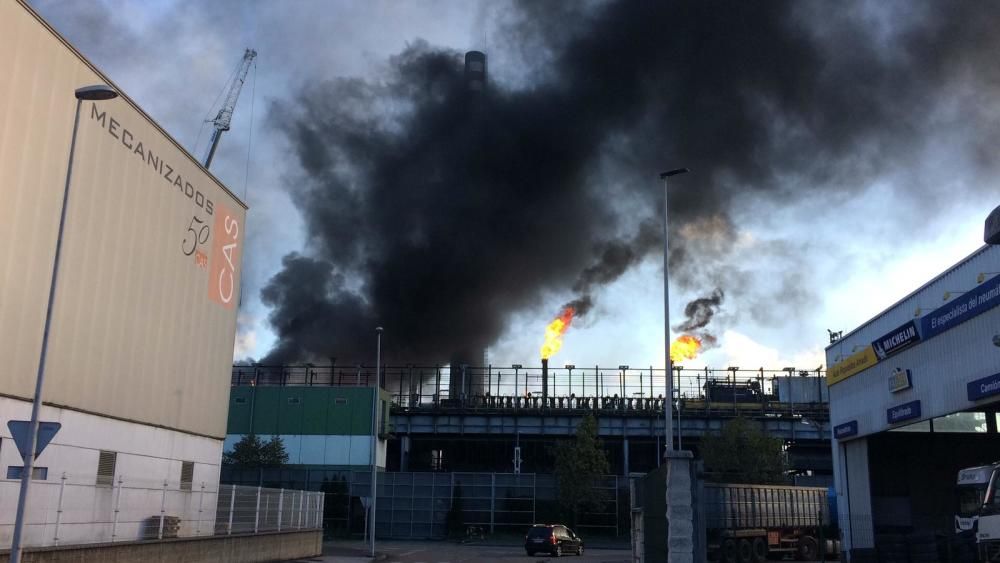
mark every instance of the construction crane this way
{"type": "Point", "coordinates": [221, 121]}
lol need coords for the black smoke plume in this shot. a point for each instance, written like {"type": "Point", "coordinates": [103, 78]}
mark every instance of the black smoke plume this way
{"type": "Point", "coordinates": [438, 217]}
{"type": "Point", "coordinates": [700, 313]}
{"type": "Point", "coordinates": [612, 259]}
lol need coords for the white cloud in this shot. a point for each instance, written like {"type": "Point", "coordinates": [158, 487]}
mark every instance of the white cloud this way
{"type": "Point", "coordinates": [741, 350]}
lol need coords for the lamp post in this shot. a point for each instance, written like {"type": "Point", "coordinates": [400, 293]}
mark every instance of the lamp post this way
{"type": "Point", "coordinates": [375, 424]}
{"type": "Point", "coordinates": [91, 93]}
{"type": "Point", "coordinates": [668, 431]}
{"type": "Point", "coordinates": [991, 228]}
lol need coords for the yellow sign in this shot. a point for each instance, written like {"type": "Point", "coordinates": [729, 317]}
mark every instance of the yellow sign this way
{"type": "Point", "coordinates": [851, 366]}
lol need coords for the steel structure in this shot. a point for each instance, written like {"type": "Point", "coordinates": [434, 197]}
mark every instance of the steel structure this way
{"type": "Point", "coordinates": [225, 117]}
{"type": "Point", "coordinates": [512, 414]}
{"type": "Point", "coordinates": [421, 385]}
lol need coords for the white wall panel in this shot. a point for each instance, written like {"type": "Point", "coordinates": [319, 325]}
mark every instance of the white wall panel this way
{"type": "Point", "coordinates": [941, 366]}
{"type": "Point", "coordinates": [146, 457]}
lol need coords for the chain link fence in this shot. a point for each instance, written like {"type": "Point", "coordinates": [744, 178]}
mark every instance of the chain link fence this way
{"type": "Point", "coordinates": [74, 509]}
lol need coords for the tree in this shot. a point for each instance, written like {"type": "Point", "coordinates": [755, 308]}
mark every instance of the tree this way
{"type": "Point", "coordinates": [251, 451]}
{"type": "Point", "coordinates": [579, 466]}
{"type": "Point", "coordinates": [743, 453]}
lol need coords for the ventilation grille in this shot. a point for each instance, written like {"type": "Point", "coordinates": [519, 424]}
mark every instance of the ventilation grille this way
{"type": "Point", "coordinates": [187, 475]}
{"type": "Point", "coordinates": [106, 469]}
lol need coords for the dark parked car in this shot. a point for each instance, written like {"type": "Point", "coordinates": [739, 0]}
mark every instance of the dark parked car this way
{"type": "Point", "coordinates": [552, 538]}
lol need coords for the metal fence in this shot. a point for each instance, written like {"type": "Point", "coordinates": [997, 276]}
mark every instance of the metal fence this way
{"type": "Point", "coordinates": [416, 505]}
{"type": "Point", "coordinates": [74, 509]}
{"type": "Point", "coordinates": [244, 510]}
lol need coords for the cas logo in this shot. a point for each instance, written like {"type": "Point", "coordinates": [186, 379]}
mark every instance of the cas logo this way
{"type": "Point", "coordinates": [225, 257]}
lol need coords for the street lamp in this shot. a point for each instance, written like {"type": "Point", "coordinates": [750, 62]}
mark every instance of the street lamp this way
{"type": "Point", "coordinates": [991, 228]}
{"type": "Point", "coordinates": [375, 424]}
{"type": "Point", "coordinates": [668, 431]}
{"type": "Point", "coordinates": [95, 93]}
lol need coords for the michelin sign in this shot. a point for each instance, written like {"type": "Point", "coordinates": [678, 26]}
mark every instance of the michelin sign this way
{"type": "Point", "coordinates": [974, 302]}
{"type": "Point", "coordinates": [900, 338]}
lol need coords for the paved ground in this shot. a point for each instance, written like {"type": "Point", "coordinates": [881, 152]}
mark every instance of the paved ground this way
{"type": "Point", "coordinates": [448, 552]}
{"type": "Point", "coordinates": [443, 552]}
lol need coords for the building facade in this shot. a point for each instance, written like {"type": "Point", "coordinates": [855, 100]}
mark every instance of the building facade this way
{"type": "Point", "coordinates": [323, 427]}
{"type": "Point", "coordinates": [144, 313]}
{"type": "Point", "coordinates": [912, 401]}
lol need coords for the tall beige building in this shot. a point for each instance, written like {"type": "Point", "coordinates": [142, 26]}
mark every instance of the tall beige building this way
{"type": "Point", "coordinates": [144, 316]}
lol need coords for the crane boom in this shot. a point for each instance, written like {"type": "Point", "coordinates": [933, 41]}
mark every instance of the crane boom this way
{"type": "Point", "coordinates": [222, 121]}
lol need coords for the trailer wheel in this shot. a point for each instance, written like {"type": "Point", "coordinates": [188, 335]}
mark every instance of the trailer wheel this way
{"type": "Point", "coordinates": [746, 551]}
{"type": "Point", "coordinates": [808, 548]}
{"type": "Point", "coordinates": [759, 550]}
{"type": "Point", "coordinates": [729, 552]}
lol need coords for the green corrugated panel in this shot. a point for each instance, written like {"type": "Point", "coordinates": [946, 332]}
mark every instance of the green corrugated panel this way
{"type": "Point", "coordinates": [338, 412]}
{"type": "Point", "coordinates": [361, 412]}
{"type": "Point", "coordinates": [319, 410]}
{"type": "Point", "coordinates": [291, 409]}
{"type": "Point", "coordinates": [265, 409]}
{"type": "Point", "coordinates": [239, 410]}
{"type": "Point", "coordinates": [345, 406]}
{"type": "Point", "coordinates": [314, 410]}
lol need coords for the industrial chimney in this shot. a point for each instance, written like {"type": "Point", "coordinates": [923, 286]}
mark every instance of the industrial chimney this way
{"type": "Point", "coordinates": [475, 72]}
{"type": "Point", "coordinates": [545, 381]}
{"type": "Point", "coordinates": [463, 378]}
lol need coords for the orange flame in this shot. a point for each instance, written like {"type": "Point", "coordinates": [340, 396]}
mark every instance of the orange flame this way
{"type": "Point", "coordinates": [554, 332]}
{"type": "Point", "coordinates": [686, 347]}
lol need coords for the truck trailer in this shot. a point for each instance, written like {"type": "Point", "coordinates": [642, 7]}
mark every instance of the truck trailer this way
{"type": "Point", "coordinates": [751, 523]}
{"type": "Point", "coordinates": [737, 523]}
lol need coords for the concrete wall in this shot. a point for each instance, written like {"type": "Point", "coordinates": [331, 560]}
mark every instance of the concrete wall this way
{"type": "Point", "coordinates": [279, 546]}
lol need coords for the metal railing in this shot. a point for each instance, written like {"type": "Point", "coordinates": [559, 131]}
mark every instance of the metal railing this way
{"type": "Point", "coordinates": [414, 385]}
{"type": "Point", "coordinates": [74, 509]}
{"type": "Point", "coordinates": [243, 510]}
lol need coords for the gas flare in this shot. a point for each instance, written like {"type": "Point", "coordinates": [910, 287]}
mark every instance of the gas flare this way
{"type": "Point", "coordinates": [686, 347]}
{"type": "Point", "coordinates": [555, 330]}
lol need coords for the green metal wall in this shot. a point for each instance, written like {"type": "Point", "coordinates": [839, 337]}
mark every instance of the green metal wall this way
{"type": "Point", "coordinates": [327, 411]}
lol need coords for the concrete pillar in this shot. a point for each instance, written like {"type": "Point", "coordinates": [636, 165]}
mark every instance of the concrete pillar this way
{"type": "Point", "coordinates": [853, 486]}
{"type": "Point", "coordinates": [625, 467]}
{"type": "Point", "coordinates": [680, 507]}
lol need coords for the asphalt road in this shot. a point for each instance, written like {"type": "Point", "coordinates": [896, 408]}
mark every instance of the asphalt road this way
{"type": "Point", "coordinates": [445, 552]}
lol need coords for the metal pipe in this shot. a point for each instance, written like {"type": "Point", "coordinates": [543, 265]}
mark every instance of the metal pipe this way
{"type": "Point", "coordinates": [59, 510]}
{"type": "Point", "coordinates": [375, 424]}
{"type": "Point", "coordinates": [545, 381]}
{"type": "Point", "coordinates": [679, 442]}
{"type": "Point", "coordinates": [668, 431]}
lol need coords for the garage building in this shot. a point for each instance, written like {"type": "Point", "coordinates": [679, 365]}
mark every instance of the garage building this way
{"type": "Point", "coordinates": [914, 397]}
